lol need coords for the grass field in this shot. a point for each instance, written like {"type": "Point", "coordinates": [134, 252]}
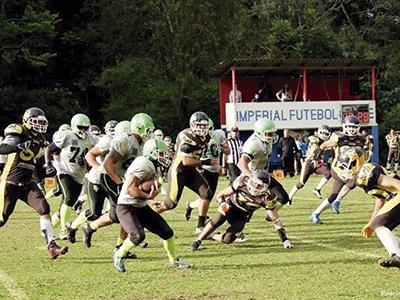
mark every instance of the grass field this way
{"type": "Point", "coordinates": [330, 261]}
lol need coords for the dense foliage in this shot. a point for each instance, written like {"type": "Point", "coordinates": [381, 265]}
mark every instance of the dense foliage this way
{"type": "Point", "coordinates": [115, 58]}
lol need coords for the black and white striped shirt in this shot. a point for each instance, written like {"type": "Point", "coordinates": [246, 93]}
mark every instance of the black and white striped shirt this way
{"type": "Point", "coordinates": [235, 147]}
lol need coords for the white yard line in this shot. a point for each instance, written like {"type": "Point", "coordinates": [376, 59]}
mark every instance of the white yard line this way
{"type": "Point", "coordinates": [11, 287]}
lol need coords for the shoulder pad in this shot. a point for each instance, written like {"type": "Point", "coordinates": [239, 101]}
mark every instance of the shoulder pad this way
{"type": "Point", "coordinates": [13, 129]}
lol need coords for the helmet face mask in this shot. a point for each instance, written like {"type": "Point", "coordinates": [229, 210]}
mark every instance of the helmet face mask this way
{"type": "Point", "coordinates": [109, 128]}
{"type": "Point", "coordinates": [34, 119]}
{"type": "Point", "coordinates": [199, 123]}
{"type": "Point", "coordinates": [95, 130]}
{"type": "Point", "coordinates": [258, 183]}
{"type": "Point", "coordinates": [351, 126]}
{"type": "Point", "coordinates": [265, 130]}
{"type": "Point", "coordinates": [350, 161]}
{"type": "Point", "coordinates": [156, 150]}
{"type": "Point", "coordinates": [323, 132]}
{"type": "Point", "coordinates": [80, 124]}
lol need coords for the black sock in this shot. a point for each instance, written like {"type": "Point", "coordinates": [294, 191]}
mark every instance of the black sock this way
{"type": "Point", "coordinates": [282, 234]}
{"type": "Point", "coordinates": [201, 221]}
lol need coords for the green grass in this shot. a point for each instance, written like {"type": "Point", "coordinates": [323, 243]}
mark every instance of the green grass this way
{"type": "Point", "coordinates": [330, 261]}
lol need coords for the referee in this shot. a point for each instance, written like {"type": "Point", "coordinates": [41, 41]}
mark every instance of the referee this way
{"type": "Point", "coordinates": [235, 147]}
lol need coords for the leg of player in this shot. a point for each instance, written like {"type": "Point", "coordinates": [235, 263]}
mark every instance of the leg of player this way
{"type": "Point", "coordinates": [336, 203]}
{"type": "Point", "coordinates": [203, 210]}
{"type": "Point", "coordinates": [189, 206]}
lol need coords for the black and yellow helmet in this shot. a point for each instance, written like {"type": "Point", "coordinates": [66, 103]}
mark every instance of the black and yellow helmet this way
{"type": "Point", "coordinates": [35, 120]}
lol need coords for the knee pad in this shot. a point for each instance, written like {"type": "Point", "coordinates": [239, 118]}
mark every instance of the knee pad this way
{"type": "Point", "coordinates": [137, 238]}
{"type": "Point", "coordinates": [170, 204]}
{"type": "Point", "coordinates": [228, 238]}
{"type": "Point", "coordinates": [69, 202]}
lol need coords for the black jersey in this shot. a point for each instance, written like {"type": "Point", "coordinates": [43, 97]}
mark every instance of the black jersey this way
{"type": "Point", "coordinates": [247, 202]}
{"type": "Point", "coordinates": [314, 152]}
{"type": "Point", "coordinates": [21, 165]}
{"type": "Point", "coordinates": [367, 178]}
{"type": "Point", "coordinates": [189, 144]}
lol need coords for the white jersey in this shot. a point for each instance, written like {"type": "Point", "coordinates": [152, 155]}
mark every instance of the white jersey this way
{"type": "Point", "coordinates": [129, 148]}
{"type": "Point", "coordinates": [143, 169]}
{"type": "Point", "coordinates": [103, 145]}
{"type": "Point", "coordinates": [72, 148]}
{"type": "Point", "coordinates": [214, 149]}
{"type": "Point", "coordinates": [258, 152]}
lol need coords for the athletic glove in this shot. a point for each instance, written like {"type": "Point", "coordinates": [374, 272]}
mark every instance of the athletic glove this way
{"type": "Point", "coordinates": [50, 170]}
{"type": "Point", "coordinates": [23, 146]}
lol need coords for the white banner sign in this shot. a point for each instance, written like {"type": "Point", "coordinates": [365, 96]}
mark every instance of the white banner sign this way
{"type": "Point", "coordinates": [299, 115]}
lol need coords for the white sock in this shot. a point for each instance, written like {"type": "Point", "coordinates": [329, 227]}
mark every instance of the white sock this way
{"type": "Point", "coordinates": [389, 240]}
{"type": "Point", "coordinates": [194, 204]}
{"type": "Point", "coordinates": [324, 205]}
{"type": "Point", "coordinates": [47, 229]}
{"type": "Point", "coordinates": [293, 192]}
{"type": "Point", "coordinates": [343, 192]}
{"type": "Point", "coordinates": [321, 183]}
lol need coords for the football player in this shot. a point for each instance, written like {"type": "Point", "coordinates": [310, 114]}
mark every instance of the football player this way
{"type": "Point", "coordinates": [124, 148]}
{"type": "Point", "coordinates": [94, 130]}
{"type": "Point", "coordinates": [375, 181]}
{"type": "Point", "coordinates": [237, 204]}
{"type": "Point", "coordinates": [349, 137]}
{"type": "Point", "coordinates": [314, 162]}
{"type": "Point", "coordinates": [72, 146]}
{"type": "Point", "coordinates": [96, 193]}
{"type": "Point", "coordinates": [133, 210]}
{"type": "Point", "coordinates": [257, 152]}
{"type": "Point", "coordinates": [344, 165]}
{"type": "Point", "coordinates": [392, 140]}
{"type": "Point", "coordinates": [191, 144]}
{"type": "Point", "coordinates": [24, 144]}
{"type": "Point", "coordinates": [216, 146]}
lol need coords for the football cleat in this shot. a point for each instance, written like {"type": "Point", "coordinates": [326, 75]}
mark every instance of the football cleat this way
{"type": "Point", "coordinates": [336, 206]}
{"type": "Point", "coordinates": [71, 233]}
{"type": "Point", "coordinates": [241, 238]}
{"type": "Point", "coordinates": [195, 245]}
{"type": "Point", "coordinates": [180, 263]}
{"type": "Point", "coordinates": [315, 218]}
{"type": "Point", "coordinates": [188, 211]}
{"type": "Point", "coordinates": [63, 234]}
{"type": "Point", "coordinates": [389, 262]}
{"type": "Point", "coordinates": [53, 250]}
{"type": "Point", "coordinates": [87, 234]}
{"type": "Point", "coordinates": [119, 264]}
{"type": "Point", "coordinates": [317, 193]}
{"type": "Point", "coordinates": [287, 245]}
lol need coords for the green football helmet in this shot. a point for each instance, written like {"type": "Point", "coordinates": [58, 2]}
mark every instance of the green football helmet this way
{"type": "Point", "coordinates": [123, 126]}
{"type": "Point", "coordinates": [265, 130]}
{"type": "Point", "coordinates": [142, 124]}
{"type": "Point", "coordinates": [64, 127]}
{"type": "Point", "coordinates": [80, 124]}
{"type": "Point", "coordinates": [156, 150]}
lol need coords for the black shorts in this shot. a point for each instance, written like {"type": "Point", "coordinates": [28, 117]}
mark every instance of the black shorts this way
{"type": "Point", "coordinates": [308, 169]}
{"type": "Point", "coordinates": [134, 220]}
{"type": "Point", "coordinates": [70, 189]}
{"type": "Point", "coordinates": [29, 193]}
{"type": "Point", "coordinates": [190, 178]}
{"type": "Point", "coordinates": [277, 188]}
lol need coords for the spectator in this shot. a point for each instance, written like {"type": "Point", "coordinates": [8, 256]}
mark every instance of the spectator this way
{"type": "Point", "coordinates": [235, 147]}
{"type": "Point", "coordinates": [287, 149]}
{"type": "Point", "coordinates": [256, 98]}
{"type": "Point", "coordinates": [238, 96]}
{"type": "Point", "coordinates": [284, 94]}
{"type": "Point", "coordinates": [301, 154]}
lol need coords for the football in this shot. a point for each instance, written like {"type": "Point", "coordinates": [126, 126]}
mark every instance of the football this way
{"type": "Point", "coordinates": [147, 185]}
